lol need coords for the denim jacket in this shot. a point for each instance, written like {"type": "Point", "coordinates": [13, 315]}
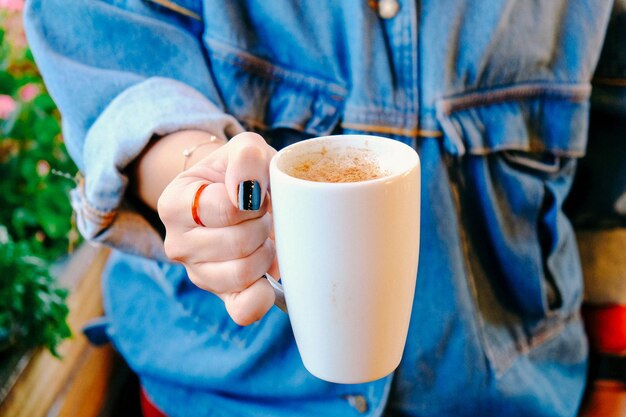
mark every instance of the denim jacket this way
{"type": "Point", "coordinates": [517, 109]}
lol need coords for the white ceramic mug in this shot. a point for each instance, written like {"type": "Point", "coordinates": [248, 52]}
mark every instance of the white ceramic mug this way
{"type": "Point", "coordinates": [348, 255]}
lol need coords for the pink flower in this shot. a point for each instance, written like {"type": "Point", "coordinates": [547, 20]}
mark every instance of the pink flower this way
{"type": "Point", "coordinates": [13, 5]}
{"type": "Point", "coordinates": [29, 92]}
{"type": "Point", "coordinates": [7, 106]}
{"type": "Point", "coordinates": [43, 168]}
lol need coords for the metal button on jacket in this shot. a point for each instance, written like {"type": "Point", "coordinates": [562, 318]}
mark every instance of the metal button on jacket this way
{"type": "Point", "coordinates": [388, 9]}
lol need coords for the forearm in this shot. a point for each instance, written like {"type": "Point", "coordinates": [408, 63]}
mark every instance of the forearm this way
{"type": "Point", "coordinates": [164, 159]}
{"type": "Point", "coordinates": [117, 102]}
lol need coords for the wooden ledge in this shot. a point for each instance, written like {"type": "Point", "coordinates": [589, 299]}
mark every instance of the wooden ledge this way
{"type": "Point", "coordinates": [76, 385]}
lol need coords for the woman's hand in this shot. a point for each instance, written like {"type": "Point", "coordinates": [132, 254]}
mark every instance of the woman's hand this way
{"type": "Point", "coordinates": [234, 248]}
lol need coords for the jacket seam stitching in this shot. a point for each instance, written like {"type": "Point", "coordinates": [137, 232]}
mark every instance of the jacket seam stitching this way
{"type": "Point", "coordinates": [265, 69]}
{"type": "Point", "coordinates": [540, 337]}
{"type": "Point", "coordinates": [478, 322]}
{"type": "Point", "coordinates": [483, 150]}
{"type": "Point", "coordinates": [170, 5]}
{"type": "Point", "coordinates": [257, 124]}
{"type": "Point", "coordinates": [103, 218]}
{"type": "Point", "coordinates": [393, 130]}
{"type": "Point", "coordinates": [574, 92]}
{"type": "Point", "coordinates": [379, 110]}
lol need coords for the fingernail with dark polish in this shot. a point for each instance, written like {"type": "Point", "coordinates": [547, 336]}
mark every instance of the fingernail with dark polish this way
{"type": "Point", "coordinates": [249, 195]}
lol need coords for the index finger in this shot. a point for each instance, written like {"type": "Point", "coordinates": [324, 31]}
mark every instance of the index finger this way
{"type": "Point", "coordinates": [247, 173]}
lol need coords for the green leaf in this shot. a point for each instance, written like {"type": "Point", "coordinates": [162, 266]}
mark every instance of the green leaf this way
{"type": "Point", "coordinates": [44, 102]}
{"type": "Point", "coordinates": [46, 129]}
{"type": "Point", "coordinates": [34, 209]}
{"type": "Point", "coordinates": [7, 83]}
{"type": "Point", "coordinates": [23, 218]}
{"type": "Point", "coordinates": [55, 226]}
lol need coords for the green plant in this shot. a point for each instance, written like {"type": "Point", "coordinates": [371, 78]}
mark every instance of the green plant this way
{"type": "Point", "coordinates": [32, 309]}
{"type": "Point", "coordinates": [35, 213]}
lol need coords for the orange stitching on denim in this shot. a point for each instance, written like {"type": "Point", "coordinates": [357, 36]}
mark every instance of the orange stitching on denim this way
{"type": "Point", "coordinates": [168, 4]}
{"type": "Point", "coordinates": [551, 329]}
{"type": "Point", "coordinates": [393, 130]}
{"type": "Point", "coordinates": [574, 92]}
{"type": "Point", "coordinates": [257, 124]}
{"type": "Point", "coordinates": [102, 218]}
{"type": "Point", "coordinates": [274, 71]}
{"type": "Point", "coordinates": [523, 147]}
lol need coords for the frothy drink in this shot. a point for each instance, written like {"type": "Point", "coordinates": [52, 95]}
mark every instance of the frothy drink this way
{"type": "Point", "coordinates": [345, 165]}
{"type": "Point", "coordinates": [337, 234]}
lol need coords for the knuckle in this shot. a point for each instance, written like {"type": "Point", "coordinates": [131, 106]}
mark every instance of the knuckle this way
{"type": "Point", "coordinates": [164, 208]}
{"type": "Point", "coordinates": [239, 247]}
{"type": "Point", "coordinates": [197, 281]}
{"type": "Point", "coordinates": [241, 274]}
{"type": "Point", "coordinates": [250, 153]}
{"type": "Point", "coordinates": [246, 270]}
{"type": "Point", "coordinates": [270, 251]}
{"type": "Point", "coordinates": [252, 149]}
{"type": "Point", "coordinates": [251, 138]}
{"type": "Point", "coordinates": [227, 212]}
{"type": "Point", "coordinates": [172, 249]}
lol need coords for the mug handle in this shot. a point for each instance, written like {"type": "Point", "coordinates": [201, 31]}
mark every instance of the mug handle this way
{"type": "Point", "coordinates": [278, 292]}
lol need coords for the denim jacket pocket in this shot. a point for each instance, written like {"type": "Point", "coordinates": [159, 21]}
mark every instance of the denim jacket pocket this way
{"type": "Point", "coordinates": [265, 96]}
{"type": "Point", "coordinates": [514, 152]}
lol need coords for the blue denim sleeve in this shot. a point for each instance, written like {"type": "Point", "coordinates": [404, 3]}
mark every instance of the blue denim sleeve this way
{"type": "Point", "coordinates": [599, 195]}
{"type": "Point", "coordinates": [121, 73]}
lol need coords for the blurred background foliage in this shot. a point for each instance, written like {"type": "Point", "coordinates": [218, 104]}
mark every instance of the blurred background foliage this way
{"type": "Point", "coordinates": [35, 213]}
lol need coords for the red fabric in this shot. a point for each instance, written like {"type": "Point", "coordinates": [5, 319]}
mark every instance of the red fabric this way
{"type": "Point", "coordinates": [606, 328]}
{"type": "Point", "coordinates": [147, 408]}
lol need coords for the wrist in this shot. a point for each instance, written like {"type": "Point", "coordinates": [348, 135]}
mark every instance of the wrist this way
{"type": "Point", "coordinates": [199, 150]}
{"type": "Point", "coordinates": [167, 157]}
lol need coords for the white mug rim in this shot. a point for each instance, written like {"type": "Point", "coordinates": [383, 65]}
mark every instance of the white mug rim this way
{"type": "Point", "coordinates": [275, 170]}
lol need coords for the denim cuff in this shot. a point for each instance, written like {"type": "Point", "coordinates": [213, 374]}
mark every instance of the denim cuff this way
{"type": "Point", "coordinates": [603, 260]}
{"type": "Point", "coordinates": [152, 108]}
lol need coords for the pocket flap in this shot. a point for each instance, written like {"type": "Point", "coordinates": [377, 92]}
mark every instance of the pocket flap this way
{"type": "Point", "coordinates": [530, 118]}
{"type": "Point", "coordinates": [263, 95]}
